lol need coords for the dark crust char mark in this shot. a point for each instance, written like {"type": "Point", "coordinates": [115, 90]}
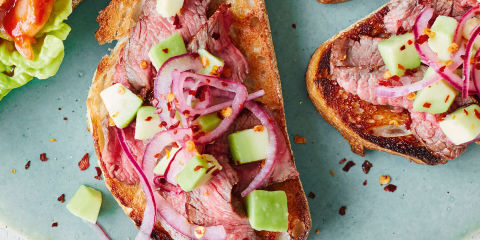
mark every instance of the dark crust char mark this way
{"type": "Point", "coordinates": [344, 107]}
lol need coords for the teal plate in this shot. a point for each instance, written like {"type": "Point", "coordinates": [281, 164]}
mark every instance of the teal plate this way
{"type": "Point", "coordinates": [441, 202]}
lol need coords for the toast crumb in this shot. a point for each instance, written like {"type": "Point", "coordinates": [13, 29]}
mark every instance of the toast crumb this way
{"type": "Point", "coordinates": [300, 140]}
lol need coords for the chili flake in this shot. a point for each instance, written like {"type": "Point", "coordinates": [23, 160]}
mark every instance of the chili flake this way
{"type": "Point", "coordinates": [190, 146]}
{"type": "Point", "coordinates": [422, 39]}
{"type": "Point", "coordinates": [148, 119]}
{"type": "Point", "coordinates": [27, 165]}
{"type": "Point", "coordinates": [143, 64]}
{"type": "Point", "coordinates": [294, 26]}
{"type": "Point", "coordinates": [366, 166]}
{"type": "Point", "coordinates": [448, 97]}
{"type": "Point", "coordinates": [411, 96]}
{"type": "Point", "coordinates": [453, 48]}
{"type": "Point", "coordinates": [43, 157]}
{"type": "Point", "coordinates": [165, 50]}
{"type": "Point", "coordinates": [99, 173]}
{"type": "Point", "coordinates": [300, 140]}
{"type": "Point", "coordinates": [342, 161]}
{"type": "Point", "coordinates": [342, 210]}
{"type": "Point", "coordinates": [170, 97]}
{"type": "Point", "coordinates": [13, 171]}
{"type": "Point", "coordinates": [429, 32]}
{"type": "Point", "coordinates": [347, 166]}
{"type": "Point", "coordinates": [311, 195]}
{"type": "Point", "coordinates": [390, 188]}
{"type": "Point", "coordinates": [227, 112]}
{"type": "Point", "coordinates": [84, 163]}
{"type": "Point", "coordinates": [197, 168]}
{"type": "Point", "coordinates": [332, 173]}
{"type": "Point", "coordinates": [204, 61]}
{"type": "Point", "coordinates": [61, 198]}
{"type": "Point", "coordinates": [427, 105]}
{"type": "Point", "coordinates": [365, 183]}
{"type": "Point", "coordinates": [317, 231]}
{"type": "Point", "coordinates": [55, 224]}
{"type": "Point", "coordinates": [258, 128]}
{"type": "Point", "coordinates": [385, 179]}
{"type": "Point", "coordinates": [477, 114]}
{"type": "Point", "coordinates": [403, 47]}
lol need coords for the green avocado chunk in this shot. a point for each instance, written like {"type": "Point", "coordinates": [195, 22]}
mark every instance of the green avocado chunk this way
{"type": "Point", "coordinates": [147, 124]}
{"type": "Point", "coordinates": [198, 171]}
{"type": "Point", "coordinates": [209, 122]}
{"type": "Point", "coordinates": [436, 98]}
{"type": "Point", "coordinates": [248, 145]}
{"type": "Point", "coordinates": [121, 103]}
{"type": "Point", "coordinates": [86, 203]}
{"type": "Point", "coordinates": [162, 165]}
{"type": "Point", "coordinates": [463, 125]}
{"type": "Point", "coordinates": [444, 28]}
{"type": "Point", "coordinates": [399, 53]}
{"type": "Point", "coordinates": [210, 63]}
{"type": "Point", "coordinates": [267, 210]}
{"type": "Point", "coordinates": [170, 47]}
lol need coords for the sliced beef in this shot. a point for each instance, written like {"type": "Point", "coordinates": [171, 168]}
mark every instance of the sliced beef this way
{"type": "Point", "coordinates": [284, 169]}
{"type": "Point", "coordinates": [213, 37]}
{"type": "Point", "coordinates": [347, 52]}
{"type": "Point", "coordinates": [364, 81]}
{"type": "Point", "coordinates": [403, 13]}
{"type": "Point", "coordinates": [462, 6]}
{"type": "Point", "coordinates": [150, 29]}
{"type": "Point", "coordinates": [117, 163]}
{"type": "Point", "coordinates": [425, 127]}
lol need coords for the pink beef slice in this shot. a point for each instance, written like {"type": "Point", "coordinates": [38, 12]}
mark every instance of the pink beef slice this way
{"type": "Point", "coordinates": [284, 169]}
{"type": "Point", "coordinates": [150, 29]}
{"type": "Point", "coordinates": [213, 37]}
{"type": "Point", "coordinates": [347, 52]}
{"type": "Point", "coordinates": [116, 162]}
{"type": "Point", "coordinates": [462, 6]}
{"type": "Point", "coordinates": [403, 13]}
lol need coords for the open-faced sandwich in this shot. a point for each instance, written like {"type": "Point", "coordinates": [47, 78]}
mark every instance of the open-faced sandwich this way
{"type": "Point", "coordinates": [188, 122]}
{"type": "Point", "coordinates": [404, 80]}
{"type": "Point", "coordinates": [31, 40]}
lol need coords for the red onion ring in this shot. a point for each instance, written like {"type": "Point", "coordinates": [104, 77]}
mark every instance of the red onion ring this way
{"type": "Point", "coordinates": [467, 65]}
{"type": "Point", "coordinates": [476, 72]}
{"type": "Point", "coordinates": [164, 209]}
{"type": "Point", "coordinates": [163, 81]}
{"type": "Point", "coordinates": [221, 106]}
{"type": "Point", "coordinates": [273, 151]}
{"type": "Point", "coordinates": [148, 221]}
{"type": "Point", "coordinates": [427, 55]}
{"type": "Point", "coordinates": [99, 230]}
{"type": "Point", "coordinates": [240, 98]}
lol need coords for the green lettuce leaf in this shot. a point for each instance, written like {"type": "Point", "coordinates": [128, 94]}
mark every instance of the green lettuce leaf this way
{"type": "Point", "coordinates": [16, 71]}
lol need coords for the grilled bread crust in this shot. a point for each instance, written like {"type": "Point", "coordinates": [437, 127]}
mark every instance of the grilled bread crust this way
{"type": "Point", "coordinates": [250, 32]}
{"type": "Point", "coordinates": [338, 107]}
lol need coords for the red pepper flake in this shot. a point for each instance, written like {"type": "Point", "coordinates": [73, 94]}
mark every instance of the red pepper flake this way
{"type": "Point", "coordinates": [165, 50]}
{"type": "Point", "coordinates": [422, 39]}
{"type": "Point", "coordinates": [157, 155]}
{"type": "Point", "coordinates": [442, 69]}
{"type": "Point", "coordinates": [311, 195]}
{"type": "Point", "coordinates": [300, 140]}
{"type": "Point", "coordinates": [163, 124]}
{"type": "Point", "coordinates": [465, 111]}
{"type": "Point", "coordinates": [59, 109]}
{"type": "Point", "coordinates": [448, 97]}
{"type": "Point", "coordinates": [410, 42]}
{"type": "Point", "coordinates": [342, 161]}
{"type": "Point", "coordinates": [65, 118]}
{"type": "Point", "coordinates": [84, 163]}
{"type": "Point", "coordinates": [342, 210]}
{"type": "Point", "coordinates": [192, 92]}
{"type": "Point", "coordinates": [43, 157]}
{"type": "Point", "coordinates": [27, 165]}
{"type": "Point", "coordinates": [61, 198]}
{"type": "Point", "coordinates": [347, 166]}
{"type": "Point", "coordinates": [365, 183]}
{"type": "Point", "coordinates": [294, 26]}
{"type": "Point", "coordinates": [440, 117]}
{"type": "Point", "coordinates": [224, 84]}
{"type": "Point", "coordinates": [148, 119]}
{"type": "Point", "coordinates": [390, 188]}
{"type": "Point", "coordinates": [401, 67]}
{"type": "Point", "coordinates": [196, 128]}
{"type": "Point", "coordinates": [366, 166]}
{"type": "Point", "coordinates": [427, 105]}
{"type": "Point", "coordinates": [176, 22]}
{"type": "Point", "coordinates": [215, 35]}
{"type": "Point", "coordinates": [198, 168]}
{"type": "Point", "coordinates": [99, 173]}
{"type": "Point", "coordinates": [55, 224]}
{"type": "Point", "coordinates": [477, 114]}
{"type": "Point", "coordinates": [403, 47]}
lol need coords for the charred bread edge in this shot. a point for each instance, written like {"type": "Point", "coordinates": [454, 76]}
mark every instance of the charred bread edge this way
{"type": "Point", "coordinates": [129, 197]}
{"type": "Point", "coordinates": [357, 142]}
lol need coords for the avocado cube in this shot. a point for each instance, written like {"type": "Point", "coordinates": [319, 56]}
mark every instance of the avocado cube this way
{"type": "Point", "coordinates": [248, 145]}
{"type": "Point", "coordinates": [444, 28]}
{"type": "Point", "coordinates": [210, 63]}
{"type": "Point", "coordinates": [162, 165]}
{"type": "Point", "coordinates": [86, 203]}
{"type": "Point", "coordinates": [267, 210]}
{"type": "Point", "coordinates": [147, 124]}
{"type": "Point", "coordinates": [198, 171]}
{"type": "Point", "coordinates": [399, 53]}
{"type": "Point", "coordinates": [121, 103]}
{"type": "Point", "coordinates": [463, 125]}
{"type": "Point", "coordinates": [436, 98]}
{"type": "Point", "coordinates": [209, 122]}
{"type": "Point", "coordinates": [170, 47]}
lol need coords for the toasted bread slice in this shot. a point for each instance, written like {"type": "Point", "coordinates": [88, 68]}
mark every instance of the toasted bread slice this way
{"type": "Point", "coordinates": [337, 106]}
{"type": "Point", "coordinates": [250, 32]}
